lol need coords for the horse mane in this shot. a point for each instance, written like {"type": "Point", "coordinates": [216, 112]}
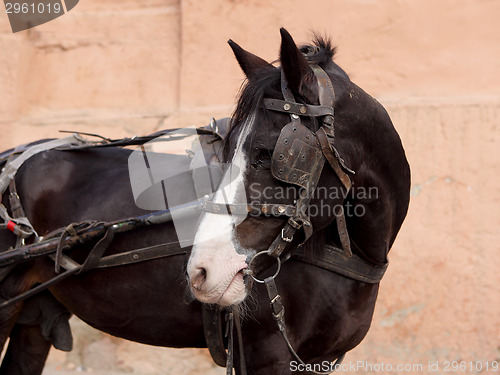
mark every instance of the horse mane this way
{"type": "Point", "coordinates": [265, 84]}
{"type": "Point", "coordinates": [324, 50]}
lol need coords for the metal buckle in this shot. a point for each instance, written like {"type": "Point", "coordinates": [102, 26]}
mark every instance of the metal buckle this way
{"type": "Point", "coordinates": [14, 195]}
{"type": "Point", "coordinates": [286, 239]}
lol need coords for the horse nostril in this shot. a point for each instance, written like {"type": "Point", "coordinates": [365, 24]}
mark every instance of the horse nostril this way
{"type": "Point", "coordinates": [199, 278]}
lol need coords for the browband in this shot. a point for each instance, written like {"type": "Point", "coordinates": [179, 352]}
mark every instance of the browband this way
{"type": "Point", "coordinates": [297, 108]}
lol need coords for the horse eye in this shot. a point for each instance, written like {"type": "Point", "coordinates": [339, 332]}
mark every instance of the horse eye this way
{"type": "Point", "coordinates": [263, 158]}
{"type": "Point", "coordinates": [265, 155]}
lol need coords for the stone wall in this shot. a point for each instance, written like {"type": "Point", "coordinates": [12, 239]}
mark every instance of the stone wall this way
{"type": "Point", "coordinates": [131, 67]}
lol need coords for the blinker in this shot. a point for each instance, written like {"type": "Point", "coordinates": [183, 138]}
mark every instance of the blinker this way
{"type": "Point", "coordinates": [297, 159]}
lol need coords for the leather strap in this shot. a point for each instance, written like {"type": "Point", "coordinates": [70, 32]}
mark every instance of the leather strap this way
{"type": "Point", "coordinates": [283, 240]}
{"type": "Point", "coordinates": [326, 147]}
{"type": "Point", "coordinates": [128, 257]}
{"type": "Point", "coordinates": [141, 255]}
{"type": "Point", "coordinates": [288, 95]}
{"type": "Point", "coordinates": [297, 108]}
{"type": "Point", "coordinates": [237, 323]}
{"type": "Point", "coordinates": [23, 228]}
{"type": "Point", "coordinates": [326, 92]}
{"type": "Point", "coordinates": [275, 299]}
{"type": "Point", "coordinates": [98, 250]}
{"type": "Point", "coordinates": [15, 202]}
{"type": "Point", "coordinates": [220, 127]}
{"type": "Point", "coordinates": [342, 229]}
{"type": "Point", "coordinates": [326, 95]}
{"type": "Point", "coordinates": [68, 235]}
{"type": "Point", "coordinates": [270, 209]}
{"type": "Point", "coordinates": [278, 311]}
{"type": "Point", "coordinates": [333, 259]}
{"type": "Point", "coordinates": [10, 169]}
{"type": "Point", "coordinates": [212, 328]}
{"type": "Point", "coordinates": [230, 344]}
{"type": "Point", "coordinates": [69, 230]}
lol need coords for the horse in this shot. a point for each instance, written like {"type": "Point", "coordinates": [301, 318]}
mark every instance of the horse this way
{"type": "Point", "coordinates": [328, 313]}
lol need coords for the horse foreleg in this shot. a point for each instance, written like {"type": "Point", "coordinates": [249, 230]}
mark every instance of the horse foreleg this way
{"type": "Point", "coordinates": [27, 351]}
{"type": "Point", "coordinates": [11, 286]}
{"type": "Point", "coordinates": [14, 283]}
{"type": "Point", "coordinates": [43, 322]}
{"type": "Point", "coordinates": [8, 317]}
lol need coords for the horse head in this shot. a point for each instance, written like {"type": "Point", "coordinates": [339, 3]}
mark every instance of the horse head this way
{"type": "Point", "coordinates": [312, 159]}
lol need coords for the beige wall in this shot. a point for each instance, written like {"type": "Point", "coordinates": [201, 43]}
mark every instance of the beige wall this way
{"type": "Point", "coordinates": [131, 67]}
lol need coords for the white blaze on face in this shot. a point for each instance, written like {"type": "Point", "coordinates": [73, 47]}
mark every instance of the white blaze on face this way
{"type": "Point", "coordinates": [214, 265]}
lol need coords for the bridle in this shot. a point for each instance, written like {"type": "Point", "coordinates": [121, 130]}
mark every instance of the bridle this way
{"type": "Point", "coordinates": [298, 158]}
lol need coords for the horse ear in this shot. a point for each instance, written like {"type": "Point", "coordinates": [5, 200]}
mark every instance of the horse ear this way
{"type": "Point", "coordinates": [249, 63]}
{"type": "Point", "coordinates": [295, 66]}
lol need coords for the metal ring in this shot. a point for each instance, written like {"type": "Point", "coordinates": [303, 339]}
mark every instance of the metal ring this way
{"type": "Point", "coordinates": [262, 253]}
